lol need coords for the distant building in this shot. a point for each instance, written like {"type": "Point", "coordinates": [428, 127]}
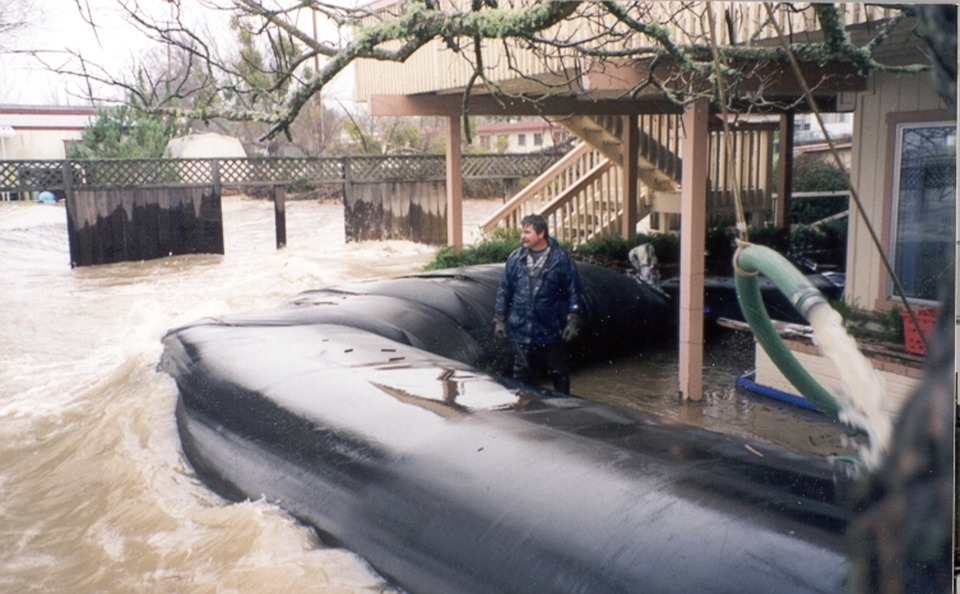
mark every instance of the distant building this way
{"type": "Point", "coordinates": [524, 135]}
{"type": "Point", "coordinates": [807, 130]}
{"type": "Point", "coordinates": [809, 139]}
{"type": "Point", "coordinates": [41, 132]}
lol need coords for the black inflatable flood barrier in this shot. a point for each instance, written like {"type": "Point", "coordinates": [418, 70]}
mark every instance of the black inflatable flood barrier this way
{"type": "Point", "coordinates": [364, 411]}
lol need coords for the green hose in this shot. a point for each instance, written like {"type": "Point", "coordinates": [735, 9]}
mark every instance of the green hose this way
{"type": "Point", "coordinates": [749, 261]}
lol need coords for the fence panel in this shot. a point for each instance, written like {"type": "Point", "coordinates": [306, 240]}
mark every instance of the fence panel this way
{"type": "Point", "coordinates": [138, 209]}
{"type": "Point", "coordinates": [129, 224]}
{"type": "Point", "coordinates": [414, 211]}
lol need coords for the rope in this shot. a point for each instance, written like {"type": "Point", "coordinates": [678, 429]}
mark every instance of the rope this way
{"type": "Point", "coordinates": [742, 245]}
{"type": "Point", "coordinates": [898, 287]}
{"type": "Point", "coordinates": [727, 135]}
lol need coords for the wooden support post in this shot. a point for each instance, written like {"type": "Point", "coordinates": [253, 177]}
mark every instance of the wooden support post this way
{"type": "Point", "coordinates": [511, 185]}
{"type": "Point", "coordinates": [693, 234]}
{"type": "Point", "coordinates": [631, 145]}
{"type": "Point", "coordinates": [784, 171]}
{"type": "Point", "coordinates": [215, 177]}
{"type": "Point", "coordinates": [350, 232]}
{"type": "Point", "coordinates": [454, 185]}
{"type": "Point", "coordinates": [280, 215]}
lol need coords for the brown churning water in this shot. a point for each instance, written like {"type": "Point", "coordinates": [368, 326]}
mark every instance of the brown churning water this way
{"type": "Point", "coordinates": [97, 496]}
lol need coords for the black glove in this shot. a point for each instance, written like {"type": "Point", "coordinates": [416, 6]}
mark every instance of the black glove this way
{"type": "Point", "coordinates": [499, 328]}
{"type": "Point", "coordinates": [572, 329]}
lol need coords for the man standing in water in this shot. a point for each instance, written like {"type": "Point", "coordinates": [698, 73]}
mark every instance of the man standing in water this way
{"type": "Point", "coordinates": [538, 305]}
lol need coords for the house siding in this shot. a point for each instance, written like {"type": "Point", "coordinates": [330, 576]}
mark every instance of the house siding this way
{"type": "Point", "coordinates": [41, 132]}
{"type": "Point", "coordinates": [904, 96]}
{"type": "Point", "coordinates": [39, 144]}
{"type": "Point", "coordinates": [434, 67]}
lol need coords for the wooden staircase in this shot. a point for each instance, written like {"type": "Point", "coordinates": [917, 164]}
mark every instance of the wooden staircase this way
{"type": "Point", "coordinates": [580, 195]}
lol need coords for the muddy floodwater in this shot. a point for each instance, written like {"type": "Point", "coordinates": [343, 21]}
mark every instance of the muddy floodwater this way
{"type": "Point", "coordinates": [97, 495]}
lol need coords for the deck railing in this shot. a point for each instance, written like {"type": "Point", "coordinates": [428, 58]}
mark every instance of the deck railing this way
{"type": "Point", "coordinates": [659, 142]}
{"type": "Point", "coordinates": [581, 194]}
{"type": "Point", "coordinates": [578, 194]}
{"type": "Point", "coordinates": [752, 171]}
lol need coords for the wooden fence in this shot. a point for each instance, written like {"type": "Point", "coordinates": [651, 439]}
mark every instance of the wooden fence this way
{"type": "Point", "coordinates": [294, 174]}
{"type": "Point", "coordinates": [131, 224]}
{"type": "Point", "coordinates": [137, 209]}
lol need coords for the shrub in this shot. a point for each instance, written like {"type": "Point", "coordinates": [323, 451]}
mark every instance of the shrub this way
{"type": "Point", "coordinates": [805, 211]}
{"type": "Point", "coordinates": [774, 238]}
{"type": "Point", "coordinates": [813, 174]}
{"type": "Point", "coordinates": [605, 248]}
{"type": "Point", "coordinates": [720, 244]}
{"type": "Point", "coordinates": [884, 325]}
{"type": "Point", "coordinates": [491, 249]}
{"type": "Point", "coordinates": [667, 247]}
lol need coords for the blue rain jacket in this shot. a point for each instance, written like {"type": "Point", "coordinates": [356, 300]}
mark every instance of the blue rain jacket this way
{"type": "Point", "coordinates": [537, 314]}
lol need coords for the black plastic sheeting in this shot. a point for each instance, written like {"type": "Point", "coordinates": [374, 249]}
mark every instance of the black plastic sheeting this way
{"type": "Point", "coordinates": [363, 411]}
{"type": "Point", "coordinates": [720, 297]}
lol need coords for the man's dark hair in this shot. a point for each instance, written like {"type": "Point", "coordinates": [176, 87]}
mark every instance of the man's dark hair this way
{"type": "Point", "coordinates": [538, 223]}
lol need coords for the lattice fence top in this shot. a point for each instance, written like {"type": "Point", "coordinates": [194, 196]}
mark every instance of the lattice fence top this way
{"type": "Point", "coordinates": [24, 176]}
{"type": "Point", "coordinates": [396, 167]}
{"type": "Point", "coordinates": [500, 166]}
{"type": "Point", "coordinates": [269, 171]}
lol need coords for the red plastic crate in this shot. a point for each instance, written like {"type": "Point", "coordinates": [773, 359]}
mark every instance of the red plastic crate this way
{"type": "Point", "coordinates": [926, 318]}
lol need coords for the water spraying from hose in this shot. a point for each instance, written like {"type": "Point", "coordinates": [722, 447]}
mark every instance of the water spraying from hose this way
{"type": "Point", "coordinates": [857, 401]}
{"type": "Point", "coordinates": [862, 390]}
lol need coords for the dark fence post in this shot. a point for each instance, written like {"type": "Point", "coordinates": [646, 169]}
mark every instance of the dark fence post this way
{"type": "Point", "coordinates": [350, 232]}
{"type": "Point", "coordinates": [215, 175]}
{"type": "Point", "coordinates": [70, 198]}
{"type": "Point", "coordinates": [280, 215]}
{"type": "Point", "coordinates": [511, 185]}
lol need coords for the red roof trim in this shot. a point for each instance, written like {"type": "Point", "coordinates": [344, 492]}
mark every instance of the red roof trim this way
{"type": "Point", "coordinates": [46, 110]}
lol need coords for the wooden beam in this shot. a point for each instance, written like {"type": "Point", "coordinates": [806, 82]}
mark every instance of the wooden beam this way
{"type": "Point", "coordinates": [631, 144]}
{"type": "Point", "coordinates": [452, 105]}
{"type": "Point", "coordinates": [454, 184]}
{"type": "Point", "coordinates": [610, 76]}
{"type": "Point", "coordinates": [693, 234]}
{"type": "Point", "coordinates": [784, 172]}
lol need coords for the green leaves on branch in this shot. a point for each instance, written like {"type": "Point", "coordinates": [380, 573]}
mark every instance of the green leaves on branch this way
{"type": "Point", "coordinates": [124, 133]}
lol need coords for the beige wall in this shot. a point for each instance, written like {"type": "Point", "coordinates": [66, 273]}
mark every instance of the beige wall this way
{"type": "Point", "coordinates": [888, 98]}
{"type": "Point", "coordinates": [38, 144]}
{"type": "Point", "coordinates": [899, 378]}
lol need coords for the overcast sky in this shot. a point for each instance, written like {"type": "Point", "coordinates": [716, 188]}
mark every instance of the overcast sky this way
{"type": "Point", "coordinates": [58, 26]}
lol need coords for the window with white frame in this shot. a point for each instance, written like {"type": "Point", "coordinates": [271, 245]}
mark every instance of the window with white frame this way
{"type": "Point", "coordinates": [925, 201]}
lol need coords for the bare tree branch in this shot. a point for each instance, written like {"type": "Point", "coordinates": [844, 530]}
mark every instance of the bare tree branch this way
{"type": "Point", "coordinates": [273, 81]}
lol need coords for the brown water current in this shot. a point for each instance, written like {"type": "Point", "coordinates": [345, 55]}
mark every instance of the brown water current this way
{"type": "Point", "coordinates": [97, 496]}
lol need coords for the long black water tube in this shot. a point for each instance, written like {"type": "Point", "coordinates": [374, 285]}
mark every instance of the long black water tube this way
{"type": "Point", "coordinates": [365, 411]}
